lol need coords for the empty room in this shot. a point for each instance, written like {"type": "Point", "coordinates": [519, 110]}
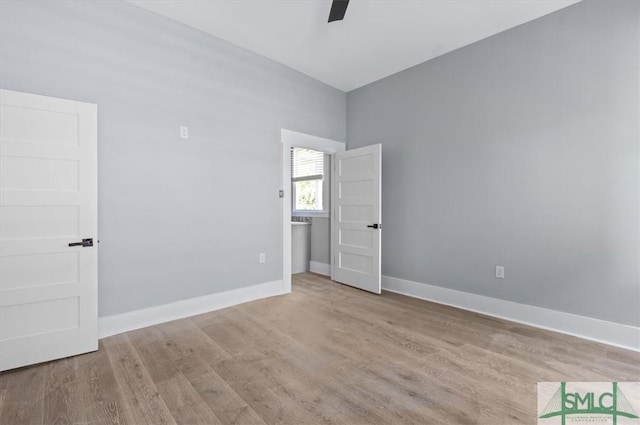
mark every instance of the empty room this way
{"type": "Point", "coordinates": [291, 212]}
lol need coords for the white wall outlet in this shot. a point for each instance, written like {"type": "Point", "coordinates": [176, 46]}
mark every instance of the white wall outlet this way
{"type": "Point", "coordinates": [184, 132]}
{"type": "Point", "coordinates": [262, 258]}
{"type": "Point", "coordinates": [500, 272]}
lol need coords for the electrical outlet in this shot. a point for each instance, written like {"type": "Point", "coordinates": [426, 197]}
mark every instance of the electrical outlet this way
{"type": "Point", "coordinates": [263, 258]}
{"type": "Point", "coordinates": [184, 132]}
{"type": "Point", "coordinates": [500, 272]}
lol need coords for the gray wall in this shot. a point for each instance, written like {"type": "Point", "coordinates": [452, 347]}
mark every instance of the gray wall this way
{"type": "Point", "coordinates": [320, 240]}
{"type": "Point", "coordinates": [520, 150]}
{"type": "Point", "coordinates": [177, 218]}
{"type": "Point", "coordinates": [321, 226]}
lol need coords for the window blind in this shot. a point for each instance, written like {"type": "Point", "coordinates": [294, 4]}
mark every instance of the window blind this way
{"type": "Point", "coordinates": [306, 165]}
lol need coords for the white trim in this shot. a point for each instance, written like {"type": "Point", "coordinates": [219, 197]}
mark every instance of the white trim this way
{"type": "Point", "coordinates": [288, 139]}
{"type": "Point", "coordinates": [302, 140]}
{"type": "Point", "coordinates": [119, 323]}
{"type": "Point", "coordinates": [302, 213]}
{"type": "Point", "coordinates": [610, 333]}
{"type": "Point", "coordinates": [320, 268]}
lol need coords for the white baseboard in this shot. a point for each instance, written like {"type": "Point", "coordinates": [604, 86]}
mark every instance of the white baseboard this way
{"type": "Point", "coordinates": [610, 333]}
{"type": "Point", "coordinates": [119, 323]}
{"type": "Point", "coordinates": [320, 268]}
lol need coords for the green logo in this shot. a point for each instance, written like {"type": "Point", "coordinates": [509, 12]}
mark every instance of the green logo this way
{"type": "Point", "coordinates": [587, 402]}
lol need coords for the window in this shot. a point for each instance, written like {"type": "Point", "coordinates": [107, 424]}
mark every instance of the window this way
{"type": "Point", "coordinates": [310, 182]}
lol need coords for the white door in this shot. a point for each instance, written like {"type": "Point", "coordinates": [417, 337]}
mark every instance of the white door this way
{"type": "Point", "coordinates": [48, 203]}
{"type": "Point", "coordinates": [356, 218]}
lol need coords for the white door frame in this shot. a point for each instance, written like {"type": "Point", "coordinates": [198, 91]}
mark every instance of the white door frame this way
{"type": "Point", "coordinates": [290, 138]}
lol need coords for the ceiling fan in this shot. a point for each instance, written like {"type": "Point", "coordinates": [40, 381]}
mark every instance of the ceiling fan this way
{"type": "Point", "coordinates": [338, 9]}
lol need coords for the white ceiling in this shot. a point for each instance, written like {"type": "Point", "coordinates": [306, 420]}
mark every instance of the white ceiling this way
{"type": "Point", "coordinates": [377, 38]}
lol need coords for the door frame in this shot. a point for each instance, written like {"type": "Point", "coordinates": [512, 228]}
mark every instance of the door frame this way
{"type": "Point", "coordinates": [289, 139]}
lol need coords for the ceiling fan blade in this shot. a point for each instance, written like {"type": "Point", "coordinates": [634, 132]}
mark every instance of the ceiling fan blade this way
{"type": "Point", "coordinates": [338, 9]}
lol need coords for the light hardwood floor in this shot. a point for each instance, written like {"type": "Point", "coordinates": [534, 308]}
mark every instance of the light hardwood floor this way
{"type": "Point", "coordinates": [324, 354]}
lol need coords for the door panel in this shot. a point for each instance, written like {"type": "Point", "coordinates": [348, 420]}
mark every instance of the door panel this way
{"type": "Point", "coordinates": [26, 271]}
{"type": "Point", "coordinates": [53, 127]}
{"type": "Point", "coordinates": [36, 318]}
{"type": "Point", "coordinates": [48, 199]}
{"type": "Point", "coordinates": [356, 206]}
{"type": "Point", "coordinates": [20, 173]}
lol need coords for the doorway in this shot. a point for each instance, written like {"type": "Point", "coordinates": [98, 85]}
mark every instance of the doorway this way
{"type": "Point", "coordinates": [290, 139]}
{"type": "Point", "coordinates": [310, 211]}
{"type": "Point", "coordinates": [355, 213]}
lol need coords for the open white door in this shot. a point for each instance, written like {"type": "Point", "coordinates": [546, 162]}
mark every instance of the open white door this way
{"type": "Point", "coordinates": [48, 208]}
{"type": "Point", "coordinates": [356, 218]}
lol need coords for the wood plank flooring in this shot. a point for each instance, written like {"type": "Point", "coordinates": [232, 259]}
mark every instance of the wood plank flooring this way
{"type": "Point", "coordinates": [324, 354]}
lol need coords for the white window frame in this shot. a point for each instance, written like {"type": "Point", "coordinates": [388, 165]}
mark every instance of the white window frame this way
{"type": "Point", "coordinates": [326, 193]}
